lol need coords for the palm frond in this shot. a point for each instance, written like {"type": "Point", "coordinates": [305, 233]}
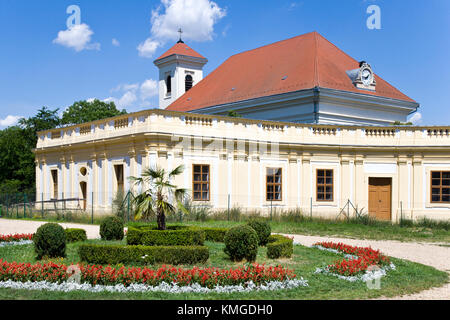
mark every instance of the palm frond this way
{"type": "Point", "coordinates": [177, 171]}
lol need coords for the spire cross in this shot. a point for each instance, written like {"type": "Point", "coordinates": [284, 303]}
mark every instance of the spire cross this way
{"type": "Point", "coordinates": [180, 32]}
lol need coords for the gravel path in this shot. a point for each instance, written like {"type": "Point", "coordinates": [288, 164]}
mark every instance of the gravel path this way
{"type": "Point", "coordinates": [8, 226]}
{"type": "Point", "coordinates": [425, 253]}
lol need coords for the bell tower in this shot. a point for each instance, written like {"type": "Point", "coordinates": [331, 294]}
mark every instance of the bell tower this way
{"type": "Point", "coordinates": [180, 68]}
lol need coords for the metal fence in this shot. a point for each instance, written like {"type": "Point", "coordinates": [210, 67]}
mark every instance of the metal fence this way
{"type": "Point", "coordinates": [232, 207]}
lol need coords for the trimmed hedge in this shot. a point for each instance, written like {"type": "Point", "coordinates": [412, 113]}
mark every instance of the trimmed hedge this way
{"type": "Point", "coordinates": [263, 230]}
{"type": "Point", "coordinates": [173, 236]}
{"type": "Point", "coordinates": [215, 234]}
{"type": "Point", "coordinates": [75, 235]}
{"type": "Point", "coordinates": [116, 254]}
{"type": "Point", "coordinates": [279, 247]}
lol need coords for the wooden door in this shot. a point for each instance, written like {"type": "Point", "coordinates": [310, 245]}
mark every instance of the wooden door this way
{"type": "Point", "coordinates": [380, 198]}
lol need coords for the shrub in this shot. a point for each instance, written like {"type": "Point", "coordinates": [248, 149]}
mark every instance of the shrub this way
{"type": "Point", "coordinates": [241, 242]}
{"type": "Point", "coordinates": [115, 254]}
{"type": "Point", "coordinates": [215, 234]}
{"type": "Point", "coordinates": [174, 236]}
{"type": "Point", "coordinates": [50, 241]}
{"type": "Point", "coordinates": [75, 235]}
{"type": "Point", "coordinates": [111, 229]}
{"type": "Point", "coordinates": [279, 247]}
{"type": "Point", "coordinates": [263, 230]}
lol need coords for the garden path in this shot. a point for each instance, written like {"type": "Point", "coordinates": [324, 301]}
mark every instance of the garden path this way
{"type": "Point", "coordinates": [8, 226]}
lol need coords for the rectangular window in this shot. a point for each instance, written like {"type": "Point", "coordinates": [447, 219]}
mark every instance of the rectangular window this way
{"type": "Point", "coordinates": [55, 183]}
{"type": "Point", "coordinates": [273, 184]}
{"type": "Point", "coordinates": [119, 178]}
{"type": "Point", "coordinates": [324, 185]}
{"type": "Point", "coordinates": [200, 181]}
{"type": "Point", "coordinates": [440, 186]}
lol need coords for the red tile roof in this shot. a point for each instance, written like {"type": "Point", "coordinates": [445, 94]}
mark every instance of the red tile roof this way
{"type": "Point", "coordinates": [304, 62]}
{"type": "Point", "coordinates": [181, 48]}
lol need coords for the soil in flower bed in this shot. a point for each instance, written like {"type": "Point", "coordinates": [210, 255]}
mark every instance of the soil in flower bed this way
{"type": "Point", "coordinates": [408, 277]}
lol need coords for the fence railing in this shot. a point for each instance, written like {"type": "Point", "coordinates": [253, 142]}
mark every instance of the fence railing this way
{"type": "Point", "coordinates": [93, 207]}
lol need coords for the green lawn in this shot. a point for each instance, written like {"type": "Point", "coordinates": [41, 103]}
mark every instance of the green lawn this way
{"type": "Point", "coordinates": [408, 278]}
{"type": "Point", "coordinates": [377, 231]}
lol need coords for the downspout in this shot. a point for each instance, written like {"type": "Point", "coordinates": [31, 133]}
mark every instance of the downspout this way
{"type": "Point", "coordinates": [316, 92]}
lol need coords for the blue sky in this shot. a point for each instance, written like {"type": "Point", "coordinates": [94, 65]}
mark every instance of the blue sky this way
{"type": "Point", "coordinates": [44, 65]}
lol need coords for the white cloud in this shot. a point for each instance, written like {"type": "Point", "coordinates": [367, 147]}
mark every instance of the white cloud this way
{"type": "Point", "coordinates": [416, 118]}
{"type": "Point", "coordinates": [147, 48]}
{"type": "Point", "coordinates": [115, 42]}
{"type": "Point", "coordinates": [126, 87]}
{"type": "Point", "coordinates": [77, 37]}
{"type": "Point", "coordinates": [134, 95]}
{"type": "Point", "coordinates": [91, 100]}
{"type": "Point", "coordinates": [149, 89]}
{"type": "Point", "coordinates": [9, 121]}
{"type": "Point", "coordinates": [110, 99]}
{"type": "Point", "coordinates": [127, 100]}
{"type": "Point", "coordinates": [195, 17]}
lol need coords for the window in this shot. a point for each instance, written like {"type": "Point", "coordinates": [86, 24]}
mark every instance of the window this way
{"type": "Point", "coordinates": [440, 186]}
{"type": "Point", "coordinates": [189, 82]}
{"type": "Point", "coordinates": [119, 178]}
{"type": "Point", "coordinates": [55, 183]}
{"type": "Point", "coordinates": [273, 184]}
{"type": "Point", "coordinates": [201, 182]}
{"type": "Point", "coordinates": [169, 84]}
{"type": "Point", "coordinates": [324, 185]}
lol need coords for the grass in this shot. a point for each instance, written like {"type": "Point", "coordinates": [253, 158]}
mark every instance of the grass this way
{"type": "Point", "coordinates": [296, 222]}
{"type": "Point", "coordinates": [383, 231]}
{"type": "Point", "coordinates": [408, 278]}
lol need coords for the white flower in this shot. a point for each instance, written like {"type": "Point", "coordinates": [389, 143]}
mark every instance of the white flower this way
{"type": "Point", "coordinates": [163, 287]}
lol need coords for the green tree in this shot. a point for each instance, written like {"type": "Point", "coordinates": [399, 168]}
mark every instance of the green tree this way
{"type": "Point", "coordinates": [398, 123]}
{"type": "Point", "coordinates": [234, 114]}
{"type": "Point", "coordinates": [17, 170]}
{"type": "Point", "coordinates": [83, 111]}
{"type": "Point", "coordinates": [45, 119]}
{"type": "Point", "coordinates": [156, 199]}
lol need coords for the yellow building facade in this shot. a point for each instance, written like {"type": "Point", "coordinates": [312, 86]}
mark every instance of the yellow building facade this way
{"type": "Point", "coordinates": [387, 172]}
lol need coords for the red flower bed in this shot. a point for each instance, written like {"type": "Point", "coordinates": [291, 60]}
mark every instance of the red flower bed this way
{"type": "Point", "coordinates": [92, 274]}
{"type": "Point", "coordinates": [349, 267]}
{"type": "Point", "coordinates": [15, 237]}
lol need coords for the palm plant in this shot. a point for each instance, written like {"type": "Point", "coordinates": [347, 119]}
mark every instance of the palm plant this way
{"type": "Point", "coordinates": [157, 199]}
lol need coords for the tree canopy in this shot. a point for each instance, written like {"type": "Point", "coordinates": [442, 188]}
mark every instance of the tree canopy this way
{"type": "Point", "coordinates": [84, 111]}
{"type": "Point", "coordinates": [17, 168]}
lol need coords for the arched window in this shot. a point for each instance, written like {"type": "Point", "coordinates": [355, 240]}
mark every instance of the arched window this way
{"type": "Point", "coordinates": [188, 81]}
{"type": "Point", "coordinates": [169, 84]}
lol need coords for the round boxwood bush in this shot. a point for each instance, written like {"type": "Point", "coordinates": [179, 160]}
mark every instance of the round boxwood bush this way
{"type": "Point", "coordinates": [263, 230]}
{"type": "Point", "coordinates": [241, 242]}
{"type": "Point", "coordinates": [50, 241]}
{"type": "Point", "coordinates": [111, 229]}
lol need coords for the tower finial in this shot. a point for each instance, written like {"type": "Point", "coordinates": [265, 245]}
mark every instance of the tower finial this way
{"type": "Point", "coordinates": [180, 32]}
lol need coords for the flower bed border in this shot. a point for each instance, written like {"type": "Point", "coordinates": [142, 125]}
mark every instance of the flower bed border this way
{"type": "Point", "coordinates": [163, 287]}
{"type": "Point", "coordinates": [16, 237]}
{"type": "Point", "coordinates": [109, 276]}
{"type": "Point", "coordinates": [358, 264]}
